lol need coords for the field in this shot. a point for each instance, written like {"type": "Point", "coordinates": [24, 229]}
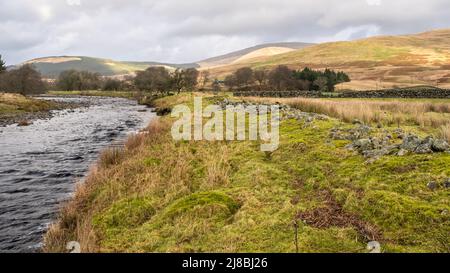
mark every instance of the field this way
{"type": "Point", "coordinates": [157, 195]}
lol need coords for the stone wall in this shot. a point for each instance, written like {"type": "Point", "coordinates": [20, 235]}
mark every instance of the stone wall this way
{"type": "Point", "coordinates": [388, 93]}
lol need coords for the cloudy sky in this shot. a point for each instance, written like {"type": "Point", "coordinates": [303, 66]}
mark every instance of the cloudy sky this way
{"type": "Point", "coordinates": [191, 30]}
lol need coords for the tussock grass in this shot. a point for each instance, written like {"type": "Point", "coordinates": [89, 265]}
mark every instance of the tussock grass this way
{"type": "Point", "coordinates": [445, 132]}
{"type": "Point", "coordinates": [390, 112]}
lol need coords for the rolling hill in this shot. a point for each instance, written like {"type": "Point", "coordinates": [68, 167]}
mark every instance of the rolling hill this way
{"type": "Point", "coordinates": [270, 49]}
{"type": "Point", "coordinates": [384, 61]}
{"type": "Point", "coordinates": [372, 63]}
{"type": "Point", "coordinates": [52, 66]}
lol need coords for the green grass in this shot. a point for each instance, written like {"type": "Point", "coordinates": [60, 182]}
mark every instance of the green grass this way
{"type": "Point", "coordinates": [13, 104]}
{"type": "Point", "coordinates": [231, 197]}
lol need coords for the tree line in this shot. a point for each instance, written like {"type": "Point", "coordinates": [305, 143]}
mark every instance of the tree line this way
{"type": "Point", "coordinates": [283, 78]}
{"type": "Point", "coordinates": [26, 80]}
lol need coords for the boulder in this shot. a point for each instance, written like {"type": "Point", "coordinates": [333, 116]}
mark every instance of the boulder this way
{"type": "Point", "coordinates": [364, 144]}
{"type": "Point", "coordinates": [440, 145]}
{"type": "Point", "coordinates": [410, 143]}
{"type": "Point", "coordinates": [425, 146]}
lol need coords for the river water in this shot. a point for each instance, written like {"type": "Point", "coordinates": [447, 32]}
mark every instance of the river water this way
{"type": "Point", "coordinates": [40, 164]}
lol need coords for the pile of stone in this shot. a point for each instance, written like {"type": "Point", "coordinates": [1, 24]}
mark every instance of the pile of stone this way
{"type": "Point", "coordinates": [286, 112]}
{"type": "Point", "coordinates": [375, 147]}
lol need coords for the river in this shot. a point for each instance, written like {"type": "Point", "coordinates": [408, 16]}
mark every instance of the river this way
{"type": "Point", "coordinates": [40, 164]}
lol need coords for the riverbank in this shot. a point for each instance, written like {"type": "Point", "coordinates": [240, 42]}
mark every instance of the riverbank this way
{"type": "Point", "coordinates": [41, 163]}
{"type": "Point", "coordinates": [158, 195]}
{"type": "Point", "coordinates": [95, 93]}
{"type": "Point", "coordinates": [15, 108]}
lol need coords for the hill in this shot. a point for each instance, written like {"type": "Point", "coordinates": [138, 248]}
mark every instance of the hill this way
{"type": "Point", "coordinates": [382, 61]}
{"type": "Point", "coordinates": [52, 66]}
{"type": "Point", "coordinates": [270, 49]}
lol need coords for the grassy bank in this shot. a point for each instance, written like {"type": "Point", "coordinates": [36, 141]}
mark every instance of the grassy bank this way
{"type": "Point", "coordinates": [157, 195]}
{"type": "Point", "coordinates": [15, 108]}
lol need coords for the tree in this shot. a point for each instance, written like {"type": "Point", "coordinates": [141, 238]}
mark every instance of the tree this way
{"type": "Point", "coordinates": [178, 80]}
{"type": "Point", "coordinates": [185, 79]}
{"type": "Point", "coordinates": [230, 81]}
{"type": "Point", "coordinates": [71, 80]}
{"type": "Point", "coordinates": [156, 79]}
{"type": "Point", "coordinates": [112, 85]}
{"type": "Point", "coordinates": [216, 85]}
{"type": "Point", "coordinates": [190, 78]}
{"type": "Point", "coordinates": [313, 77]}
{"type": "Point", "coordinates": [280, 78]}
{"type": "Point", "coordinates": [204, 78]}
{"type": "Point", "coordinates": [321, 83]}
{"type": "Point", "coordinates": [260, 76]}
{"type": "Point", "coordinates": [25, 80]}
{"type": "Point", "coordinates": [2, 65]}
{"type": "Point", "coordinates": [244, 76]}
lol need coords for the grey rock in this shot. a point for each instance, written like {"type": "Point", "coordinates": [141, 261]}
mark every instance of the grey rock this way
{"type": "Point", "coordinates": [432, 185]}
{"type": "Point", "coordinates": [363, 144]}
{"type": "Point", "coordinates": [440, 145]}
{"type": "Point", "coordinates": [447, 183]}
{"type": "Point", "coordinates": [402, 152]}
{"type": "Point", "coordinates": [410, 143]}
{"type": "Point", "coordinates": [425, 146]}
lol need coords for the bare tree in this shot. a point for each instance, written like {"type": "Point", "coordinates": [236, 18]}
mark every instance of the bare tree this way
{"type": "Point", "coordinates": [230, 81]}
{"type": "Point", "coordinates": [281, 78]}
{"type": "Point", "coordinates": [25, 80]}
{"type": "Point", "coordinates": [260, 76]}
{"type": "Point", "coordinates": [244, 76]}
{"type": "Point", "coordinates": [2, 65]}
{"type": "Point", "coordinates": [204, 78]}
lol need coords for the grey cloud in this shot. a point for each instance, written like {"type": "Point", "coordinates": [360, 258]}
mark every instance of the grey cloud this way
{"type": "Point", "coordinates": [185, 31]}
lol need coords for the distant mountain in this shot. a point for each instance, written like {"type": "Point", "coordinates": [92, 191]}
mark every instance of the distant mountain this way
{"type": "Point", "coordinates": [52, 66]}
{"type": "Point", "coordinates": [259, 50]}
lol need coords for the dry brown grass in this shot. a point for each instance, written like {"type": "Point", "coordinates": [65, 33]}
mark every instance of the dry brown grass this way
{"type": "Point", "coordinates": [444, 132]}
{"type": "Point", "coordinates": [425, 114]}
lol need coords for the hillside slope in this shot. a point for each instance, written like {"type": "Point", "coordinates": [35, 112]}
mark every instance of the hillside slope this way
{"type": "Point", "coordinates": [52, 66]}
{"type": "Point", "coordinates": [236, 55]}
{"type": "Point", "coordinates": [379, 61]}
